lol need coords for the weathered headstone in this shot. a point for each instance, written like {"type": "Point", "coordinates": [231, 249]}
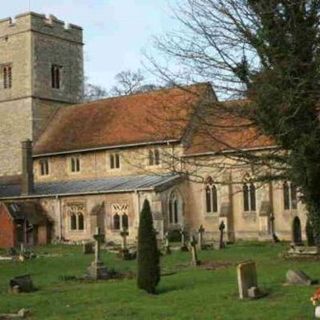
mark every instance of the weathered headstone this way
{"type": "Point", "coordinates": [21, 284]}
{"type": "Point", "coordinates": [88, 247]}
{"type": "Point", "coordinates": [298, 277]}
{"type": "Point", "coordinates": [193, 244]}
{"type": "Point", "coordinates": [97, 270]}
{"type": "Point", "coordinates": [167, 244]}
{"type": "Point", "coordinates": [184, 246]}
{"type": "Point", "coordinates": [22, 314]}
{"type": "Point", "coordinates": [247, 280]}
{"type": "Point", "coordinates": [200, 237]}
{"type": "Point", "coordinates": [222, 226]}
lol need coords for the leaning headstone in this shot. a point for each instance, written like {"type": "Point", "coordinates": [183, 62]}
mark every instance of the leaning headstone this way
{"type": "Point", "coordinates": [97, 270]}
{"type": "Point", "coordinates": [183, 246]}
{"type": "Point", "coordinates": [88, 247]}
{"type": "Point", "coordinates": [21, 284]}
{"type": "Point", "coordinates": [167, 244]}
{"type": "Point", "coordinates": [222, 226]}
{"type": "Point", "coordinates": [247, 280]}
{"type": "Point", "coordinates": [298, 277]}
{"type": "Point", "coordinates": [200, 237]}
{"type": "Point", "coordinates": [193, 244]}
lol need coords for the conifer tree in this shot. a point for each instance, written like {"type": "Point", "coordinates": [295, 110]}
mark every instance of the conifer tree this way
{"type": "Point", "coordinates": [148, 254]}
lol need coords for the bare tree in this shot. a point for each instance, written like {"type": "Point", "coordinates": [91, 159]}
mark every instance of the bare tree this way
{"type": "Point", "coordinates": [93, 92]}
{"type": "Point", "coordinates": [268, 53]}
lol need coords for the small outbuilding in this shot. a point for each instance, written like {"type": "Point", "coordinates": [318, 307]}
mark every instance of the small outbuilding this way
{"type": "Point", "coordinates": [23, 223]}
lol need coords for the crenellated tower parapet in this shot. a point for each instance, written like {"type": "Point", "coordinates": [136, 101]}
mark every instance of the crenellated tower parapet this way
{"type": "Point", "coordinates": [36, 22]}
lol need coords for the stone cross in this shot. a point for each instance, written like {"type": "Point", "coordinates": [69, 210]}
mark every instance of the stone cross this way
{"type": "Point", "coordinates": [222, 226]}
{"type": "Point", "coordinates": [98, 237]}
{"type": "Point", "coordinates": [193, 244]}
{"type": "Point", "coordinates": [200, 237]}
{"type": "Point", "coordinates": [124, 233]}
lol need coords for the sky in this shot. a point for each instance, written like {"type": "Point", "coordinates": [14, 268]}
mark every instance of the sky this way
{"type": "Point", "coordinates": [116, 32]}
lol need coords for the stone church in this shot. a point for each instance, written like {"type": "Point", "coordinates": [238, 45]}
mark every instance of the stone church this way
{"type": "Point", "coordinates": [67, 167]}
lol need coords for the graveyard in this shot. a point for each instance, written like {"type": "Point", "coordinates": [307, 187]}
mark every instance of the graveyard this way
{"type": "Point", "coordinates": [186, 290]}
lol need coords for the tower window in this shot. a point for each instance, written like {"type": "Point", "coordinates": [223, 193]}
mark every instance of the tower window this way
{"type": "Point", "coordinates": [7, 76]}
{"type": "Point", "coordinates": [44, 167]}
{"type": "Point", "coordinates": [56, 72]}
{"type": "Point", "coordinates": [114, 161]}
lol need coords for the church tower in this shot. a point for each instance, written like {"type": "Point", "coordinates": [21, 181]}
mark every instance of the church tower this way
{"type": "Point", "coordinates": [41, 69]}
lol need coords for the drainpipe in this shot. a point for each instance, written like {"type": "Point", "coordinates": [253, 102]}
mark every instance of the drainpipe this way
{"type": "Point", "coordinates": [27, 185]}
{"type": "Point", "coordinates": [58, 207]}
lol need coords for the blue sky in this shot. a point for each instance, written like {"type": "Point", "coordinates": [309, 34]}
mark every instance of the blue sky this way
{"type": "Point", "coordinates": [115, 31]}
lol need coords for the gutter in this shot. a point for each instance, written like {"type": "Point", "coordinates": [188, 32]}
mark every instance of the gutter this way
{"type": "Point", "coordinates": [120, 146]}
{"type": "Point", "coordinates": [214, 153]}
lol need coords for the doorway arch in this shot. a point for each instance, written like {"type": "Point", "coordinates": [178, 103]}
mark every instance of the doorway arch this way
{"type": "Point", "coordinates": [296, 231]}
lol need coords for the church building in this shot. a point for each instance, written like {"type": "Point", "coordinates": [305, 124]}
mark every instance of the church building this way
{"type": "Point", "coordinates": [67, 167]}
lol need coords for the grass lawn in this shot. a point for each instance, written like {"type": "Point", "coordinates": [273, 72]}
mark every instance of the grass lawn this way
{"type": "Point", "coordinates": [189, 293]}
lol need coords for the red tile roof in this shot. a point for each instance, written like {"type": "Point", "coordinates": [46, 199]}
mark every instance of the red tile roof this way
{"type": "Point", "coordinates": [147, 117]}
{"type": "Point", "coordinates": [222, 128]}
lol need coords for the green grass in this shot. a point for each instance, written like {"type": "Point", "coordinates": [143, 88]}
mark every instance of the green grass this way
{"type": "Point", "coordinates": [188, 293]}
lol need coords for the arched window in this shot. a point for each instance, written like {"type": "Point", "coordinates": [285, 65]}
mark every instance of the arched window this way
{"type": "Point", "coordinates": [174, 209]}
{"type": "Point", "coordinates": [211, 197]}
{"type": "Point", "coordinates": [125, 222]}
{"type": "Point", "coordinates": [249, 197]}
{"type": "Point", "coordinates": [80, 221]}
{"type": "Point", "coordinates": [73, 222]}
{"type": "Point", "coordinates": [116, 222]}
{"type": "Point", "coordinates": [289, 196]}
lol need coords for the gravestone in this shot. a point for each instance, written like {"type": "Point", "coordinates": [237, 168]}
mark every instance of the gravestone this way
{"type": "Point", "coordinates": [247, 280]}
{"type": "Point", "coordinates": [193, 244]}
{"type": "Point", "coordinates": [88, 247]}
{"type": "Point", "coordinates": [184, 246]}
{"type": "Point", "coordinates": [97, 270]}
{"type": "Point", "coordinates": [21, 284]}
{"type": "Point", "coordinates": [299, 278]}
{"type": "Point", "coordinates": [200, 237]}
{"type": "Point", "coordinates": [222, 226]}
{"type": "Point", "coordinates": [22, 314]}
{"type": "Point", "coordinates": [167, 244]}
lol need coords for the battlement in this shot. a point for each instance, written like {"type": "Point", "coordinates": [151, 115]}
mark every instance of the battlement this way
{"type": "Point", "coordinates": [32, 21]}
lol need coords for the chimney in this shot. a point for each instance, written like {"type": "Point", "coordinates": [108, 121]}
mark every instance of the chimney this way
{"type": "Point", "coordinates": [27, 168]}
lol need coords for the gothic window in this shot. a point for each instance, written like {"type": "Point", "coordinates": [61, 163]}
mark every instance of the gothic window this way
{"type": "Point", "coordinates": [174, 207]}
{"type": "Point", "coordinates": [289, 196]}
{"type": "Point", "coordinates": [75, 212]}
{"type": "Point", "coordinates": [80, 221]}
{"type": "Point", "coordinates": [75, 164]}
{"type": "Point", "coordinates": [249, 197]}
{"type": "Point", "coordinates": [73, 221]}
{"type": "Point", "coordinates": [44, 167]}
{"type": "Point", "coordinates": [211, 197]}
{"type": "Point", "coordinates": [125, 221]}
{"type": "Point", "coordinates": [56, 76]}
{"type": "Point", "coordinates": [154, 157]}
{"type": "Point", "coordinates": [114, 161]}
{"type": "Point", "coordinates": [116, 222]}
{"type": "Point", "coordinates": [7, 76]}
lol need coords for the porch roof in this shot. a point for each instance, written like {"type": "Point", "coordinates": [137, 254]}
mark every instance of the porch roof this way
{"type": "Point", "coordinates": [96, 186]}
